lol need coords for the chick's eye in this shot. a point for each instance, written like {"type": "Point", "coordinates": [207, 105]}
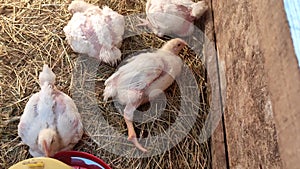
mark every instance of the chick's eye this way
{"type": "Point", "coordinates": [178, 44]}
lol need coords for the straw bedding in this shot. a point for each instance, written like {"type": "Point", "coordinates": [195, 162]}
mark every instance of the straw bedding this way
{"type": "Point", "coordinates": [31, 35]}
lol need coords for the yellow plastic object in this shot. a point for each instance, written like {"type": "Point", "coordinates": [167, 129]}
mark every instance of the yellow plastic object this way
{"type": "Point", "coordinates": [40, 163]}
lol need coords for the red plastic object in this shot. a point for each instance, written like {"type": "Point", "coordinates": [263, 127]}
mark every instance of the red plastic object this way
{"type": "Point", "coordinates": [81, 160]}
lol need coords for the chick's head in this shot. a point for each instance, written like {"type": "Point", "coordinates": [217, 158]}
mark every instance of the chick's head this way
{"type": "Point", "coordinates": [48, 142]}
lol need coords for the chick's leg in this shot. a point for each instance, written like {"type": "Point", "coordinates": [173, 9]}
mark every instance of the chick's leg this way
{"type": "Point", "coordinates": [128, 116]}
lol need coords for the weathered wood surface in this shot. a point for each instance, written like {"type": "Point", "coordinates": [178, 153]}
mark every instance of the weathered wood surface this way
{"type": "Point", "coordinates": [262, 111]}
{"type": "Point", "coordinates": [218, 152]}
{"type": "Point", "coordinates": [284, 83]}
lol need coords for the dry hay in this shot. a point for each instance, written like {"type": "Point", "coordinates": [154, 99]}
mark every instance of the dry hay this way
{"type": "Point", "coordinates": [31, 35]}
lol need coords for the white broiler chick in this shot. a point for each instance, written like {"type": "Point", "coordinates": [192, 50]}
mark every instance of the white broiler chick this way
{"type": "Point", "coordinates": [144, 77]}
{"type": "Point", "coordinates": [173, 16]}
{"type": "Point", "coordinates": [50, 122]}
{"type": "Point", "coordinates": [95, 32]}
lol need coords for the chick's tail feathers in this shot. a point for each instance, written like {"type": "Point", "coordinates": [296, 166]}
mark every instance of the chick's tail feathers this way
{"type": "Point", "coordinates": [47, 79]}
{"type": "Point", "coordinates": [46, 76]}
{"type": "Point", "coordinates": [46, 100]}
{"type": "Point", "coordinates": [198, 9]}
{"type": "Point", "coordinates": [110, 55]}
{"type": "Point", "coordinates": [110, 86]}
{"type": "Point", "coordinates": [109, 91]}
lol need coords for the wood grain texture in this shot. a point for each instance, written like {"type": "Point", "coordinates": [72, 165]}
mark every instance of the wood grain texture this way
{"type": "Point", "coordinates": [283, 75]}
{"type": "Point", "coordinates": [262, 83]}
{"type": "Point", "coordinates": [218, 153]}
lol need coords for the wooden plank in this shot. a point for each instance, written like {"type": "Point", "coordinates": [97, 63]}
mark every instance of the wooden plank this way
{"type": "Point", "coordinates": [218, 154]}
{"type": "Point", "coordinates": [253, 39]}
{"type": "Point", "coordinates": [284, 81]}
{"type": "Point", "coordinates": [218, 149]}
